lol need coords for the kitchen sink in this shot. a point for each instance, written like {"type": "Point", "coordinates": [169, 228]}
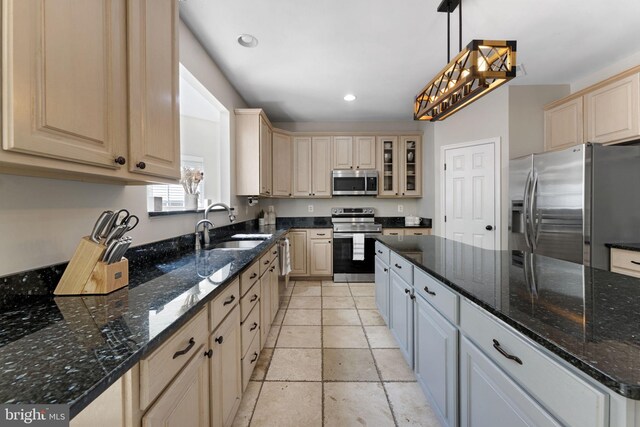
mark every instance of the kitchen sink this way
{"type": "Point", "coordinates": [252, 236]}
{"type": "Point", "coordinates": [237, 245]}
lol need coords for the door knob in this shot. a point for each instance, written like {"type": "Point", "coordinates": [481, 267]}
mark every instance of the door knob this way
{"type": "Point", "coordinates": [489, 227]}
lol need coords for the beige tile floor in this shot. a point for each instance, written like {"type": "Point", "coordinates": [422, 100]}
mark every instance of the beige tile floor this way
{"type": "Point", "coordinates": [330, 360]}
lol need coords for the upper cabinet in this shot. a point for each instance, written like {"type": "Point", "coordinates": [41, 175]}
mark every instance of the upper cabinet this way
{"type": "Point", "coordinates": [281, 165]}
{"type": "Point", "coordinates": [399, 166]}
{"type": "Point", "coordinates": [312, 166]}
{"type": "Point", "coordinates": [302, 166]}
{"type": "Point", "coordinates": [351, 152]}
{"type": "Point", "coordinates": [607, 112]}
{"type": "Point", "coordinates": [410, 166]}
{"type": "Point", "coordinates": [91, 89]}
{"type": "Point", "coordinates": [388, 166]}
{"type": "Point", "coordinates": [253, 152]}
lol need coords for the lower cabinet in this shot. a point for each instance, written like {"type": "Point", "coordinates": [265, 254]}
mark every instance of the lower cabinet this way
{"type": "Point", "coordinates": [436, 360]}
{"type": "Point", "coordinates": [382, 289]}
{"type": "Point", "coordinates": [298, 253]}
{"type": "Point", "coordinates": [401, 314]}
{"type": "Point", "coordinates": [320, 257]}
{"type": "Point", "coordinates": [274, 272]}
{"type": "Point", "coordinates": [489, 398]}
{"type": "Point", "coordinates": [226, 370]}
{"type": "Point", "coordinates": [265, 308]}
{"type": "Point", "coordinates": [311, 252]}
{"type": "Point", "coordinates": [186, 401]}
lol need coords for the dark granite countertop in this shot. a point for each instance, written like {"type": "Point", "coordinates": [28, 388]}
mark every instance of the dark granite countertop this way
{"type": "Point", "coordinates": [304, 222]}
{"type": "Point", "coordinates": [588, 317]}
{"type": "Point", "coordinates": [398, 222]}
{"type": "Point", "coordinates": [70, 349]}
{"type": "Point", "coordinates": [626, 246]}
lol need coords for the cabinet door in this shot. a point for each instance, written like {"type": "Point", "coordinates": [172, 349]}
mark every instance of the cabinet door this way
{"type": "Point", "coordinates": [302, 166]}
{"type": "Point", "coordinates": [364, 152]}
{"type": "Point", "coordinates": [342, 152]}
{"type": "Point", "coordinates": [65, 80]}
{"type": "Point", "coordinates": [488, 397]}
{"type": "Point", "coordinates": [401, 315]}
{"type": "Point", "coordinates": [321, 166]}
{"type": "Point", "coordinates": [411, 166]}
{"type": "Point", "coordinates": [388, 166]}
{"type": "Point", "coordinates": [274, 271]}
{"type": "Point", "coordinates": [281, 165]}
{"type": "Point", "coordinates": [226, 370]}
{"type": "Point", "coordinates": [265, 158]}
{"type": "Point", "coordinates": [186, 400]}
{"type": "Point", "coordinates": [265, 307]}
{"type": "Point", "coordinates": [320, 257]}
{"type": "Point", "coordinates": [382, 289]}
{"type": "Point", "coordinates": [298, 252]}
{"type": "Point", "coordinates": [613, 111]}
{"type": "Point", "coordinates": [154, 143]}
{"type": "Point", "coordinates": [436, 360]}
{"type": "Point", "coordinates": [563, 125]}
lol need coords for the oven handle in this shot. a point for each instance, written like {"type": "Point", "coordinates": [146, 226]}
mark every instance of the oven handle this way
{"type": "Point", "coordinates": [350, 235]}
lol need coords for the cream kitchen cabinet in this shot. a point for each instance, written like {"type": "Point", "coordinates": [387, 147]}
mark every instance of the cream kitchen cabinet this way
{"type": "Point", "coordinates": [253, 152]}
{"type": "Point", "coordinates": [298, 251]}
{"type": "Point", "coordinates": [388, 166]}
{"type": "Point", "coordinates": [351, 152]}
{"type": "Point", "coordinates": [312, 166]}
{"type": "Point", "coordinates": [563, 124]}
{"type": "Point", "coordinates": [274, 271]}
{"type": "Point", "coordinates": [625, 262]}
{"type": "Point", "coordinates": [94, 119]}
{"type": "Point", "coordinates": [320, 248]}
{"type": "Point", "coordinates": [399, 164]}
{"type": "Point", "coordinates": [281, 165]}
{"type": "Point", "coordinates": [410, 183]}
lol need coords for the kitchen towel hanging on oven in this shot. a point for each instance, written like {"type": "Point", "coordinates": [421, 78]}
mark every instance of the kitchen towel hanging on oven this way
{"type": "Point", "coordinates": [358, 246]}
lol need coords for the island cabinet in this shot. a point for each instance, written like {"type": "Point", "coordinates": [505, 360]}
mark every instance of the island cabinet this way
{"type": "Point", "coordinates": [401, 305]}
{"type": "Point", "coordinates": [382, 281]}
{"type": "Point", "coordinates": [95, 101]}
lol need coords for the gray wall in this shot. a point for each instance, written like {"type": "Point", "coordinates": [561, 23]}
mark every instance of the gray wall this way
{"type": "Point", "coordinates": [41, 220]}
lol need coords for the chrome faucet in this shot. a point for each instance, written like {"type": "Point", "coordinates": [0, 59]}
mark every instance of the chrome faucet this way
{"type": "Point", "coordinates": [204, 239]}
{"type": "Point", "coordinates": [232, 217]}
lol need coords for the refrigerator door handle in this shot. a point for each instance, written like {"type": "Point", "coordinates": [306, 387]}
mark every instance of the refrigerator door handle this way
{"type": "Point", "coordinates": [526, 211]}
{"type": "Point", "coordinates": [533, 211]}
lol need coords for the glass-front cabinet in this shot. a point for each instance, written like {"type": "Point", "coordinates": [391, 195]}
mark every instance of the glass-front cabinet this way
{"type": "Point", "coordinates": [388, 172]}
{"type": "Point", "coordinates": [410, 166]}
{"type": "Point", "coordinates": [399, 166]}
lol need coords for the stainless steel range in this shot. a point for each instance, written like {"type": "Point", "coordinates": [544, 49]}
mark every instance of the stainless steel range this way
{"type": "Point", "coordinates": [354, 232]}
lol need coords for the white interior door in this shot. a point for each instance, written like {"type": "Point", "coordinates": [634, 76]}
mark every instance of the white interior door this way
{"type": "Point", "coordinates": [470, 177]}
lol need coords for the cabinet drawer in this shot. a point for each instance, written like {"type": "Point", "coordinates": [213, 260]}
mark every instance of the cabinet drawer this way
{"type": "Point", "coordinates": [625, 262]}
{"type": "Point", "coordinates": [250, 328]}
{"type": "Point", "coordinates": [160, 367]}
{"type": "Point", "coordinates": [320, 233]}
{"type": "Point", "coordinates": [569, 398]}
{"type": "Point", "coordinates": [417, 231]}
{"type": "Point", "coordinates": [382, 252]}
{"type": "Point", "coordinates": [265, 260]}
{"type": "Point", "coordinates": [249, 361]}
{"type": "Point", "coordinates": [249, 277]}
{"type": "Point", "coordinates": [437, 294]}
{"type": "Point", "coordinates": [224, 303]}
{"type": "Point", "coordinates": [393, 232]}
{"type": "Point", "coordinates": [249, 300]}
{"type": "Point", "coordinates": [402, 267]}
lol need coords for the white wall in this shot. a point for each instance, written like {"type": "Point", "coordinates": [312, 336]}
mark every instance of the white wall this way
{"type": "Point", "coordinates": [41, 220]}
{"type": "Point", "coordinates": [610, 70]}
{"type": "Point", "coordinates": [426, 205]}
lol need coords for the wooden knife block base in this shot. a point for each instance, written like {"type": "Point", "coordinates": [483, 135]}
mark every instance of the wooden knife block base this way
{"type": "Point", "coordinates": [86, 274]}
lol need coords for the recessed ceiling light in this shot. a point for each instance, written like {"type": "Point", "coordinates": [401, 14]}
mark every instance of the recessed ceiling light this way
{"type": "Point", "coordinates": [349, 97]}
{"type": "Point", "coordinates": [247, 40]}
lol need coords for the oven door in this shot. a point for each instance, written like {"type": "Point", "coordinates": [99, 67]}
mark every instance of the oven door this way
{"type": "Point", "coordinates": [345, 269]}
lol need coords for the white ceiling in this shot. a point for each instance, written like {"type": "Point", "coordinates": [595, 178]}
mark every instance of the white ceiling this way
{"type": "Point", "coordinates": [313, 52]}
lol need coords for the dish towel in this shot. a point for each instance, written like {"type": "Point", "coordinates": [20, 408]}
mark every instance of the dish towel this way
{"type": "Point", "coordinates": [358, 247]}
{"type": "Point", "coordinates": [285, 257]}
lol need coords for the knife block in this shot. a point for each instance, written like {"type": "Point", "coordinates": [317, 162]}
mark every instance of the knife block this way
{"type": "Point", "coordinates": [86, 274]}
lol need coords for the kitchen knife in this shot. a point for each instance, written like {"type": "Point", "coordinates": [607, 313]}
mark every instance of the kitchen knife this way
{"type": "Point", "coordinates": [112, 254]}
{"type": "Point", "coordinates": [109, 225]}
{"type": "Point", "coordinates": [109, 251]}
{"type": "Point", "coordinates": [119, 251]}
{"type": "Point", "coordinates": [99, 225]}
{"type": "Point", "coordinates": [115, 234]}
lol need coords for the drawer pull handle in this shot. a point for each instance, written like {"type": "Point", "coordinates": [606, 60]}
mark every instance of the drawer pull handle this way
{"type": "Point", "coordinates": [219, 339]}
{"type": "Point", "coordinates": [516, 359]}
{"type": "Point", "coordinates": [635, 262]}
{"type": "Point", "coordinates": [321, 234]}
{"type": "Point", "coordinates": [192, 342]}
{"type": "Point", "coordinates": [398, 266]}
{"type": "Point", "coordinates": [429, 291]}
{"type": "Point", "coordinates": [412, 296]}
{"type": "Point", "coordinates": [379, 251]}
{"type": "Point", "coordinates": [406, 291]}
{"type": "Point", "coordinates": [209, 353]}
{"type": "Point", "coordinates": [255, 357]}
{"type": "Point", "coordinates": [254, 326]}
{"type": "Point", "coordinates": [253, 276]}
{"type": "Point", "coordinates": [231, 299]}
{"type": "Point", "coordinates": [274, 252]}
{"type": "Point", "coordinates": [253, 298]}
{"type": "Point", "coordinates": [272, 268]}
{"type": "Point", "coordinates": [266, 261]}
{"type": "Point", "coordinates": [385, 270]}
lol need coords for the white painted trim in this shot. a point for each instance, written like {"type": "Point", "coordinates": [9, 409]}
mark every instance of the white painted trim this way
{"type": "Point", "coordinates": [497, 183]}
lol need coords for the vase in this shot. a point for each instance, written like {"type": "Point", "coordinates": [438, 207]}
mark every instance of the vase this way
{"type": "Point", "coordinates": [191, 202]}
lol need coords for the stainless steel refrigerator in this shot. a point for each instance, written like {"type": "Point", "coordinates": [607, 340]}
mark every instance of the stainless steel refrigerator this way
{"type": "Point", "coordinates": [568, 204]}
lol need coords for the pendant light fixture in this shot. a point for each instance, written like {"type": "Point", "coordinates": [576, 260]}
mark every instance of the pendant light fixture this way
{"type": "Point", "coordinates": [477, 70]}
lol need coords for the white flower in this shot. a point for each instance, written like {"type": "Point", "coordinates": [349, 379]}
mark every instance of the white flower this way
{"type": "Point", "coordinates": [190, 180]}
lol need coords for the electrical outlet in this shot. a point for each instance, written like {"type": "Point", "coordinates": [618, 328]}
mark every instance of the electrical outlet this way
{"type": "Point", "coordinates": [310, 208]}
{"type": "Point", "coordinates": [400, 208]}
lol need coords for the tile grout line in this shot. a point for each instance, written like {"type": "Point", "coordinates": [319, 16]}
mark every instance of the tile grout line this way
{"type": "Point", "coordinates": [375, 363]}
{"type": "Point", "coordinates": [322, 355]}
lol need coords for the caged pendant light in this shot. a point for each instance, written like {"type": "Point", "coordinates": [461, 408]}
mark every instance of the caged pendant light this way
{"type": "Point", "coordinates": [480, 68]}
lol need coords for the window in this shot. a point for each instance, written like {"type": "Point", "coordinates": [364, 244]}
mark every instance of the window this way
{"type": "Point", "coordinates": [204, 145]}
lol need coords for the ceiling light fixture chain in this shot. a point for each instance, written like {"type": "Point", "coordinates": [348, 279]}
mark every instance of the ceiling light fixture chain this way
{"type": "Point", "coordinates": [475, 71]}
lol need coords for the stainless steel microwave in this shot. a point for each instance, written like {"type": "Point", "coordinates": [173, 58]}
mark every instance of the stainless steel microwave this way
{"type": "Point", "coordinates": [355, 183]}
